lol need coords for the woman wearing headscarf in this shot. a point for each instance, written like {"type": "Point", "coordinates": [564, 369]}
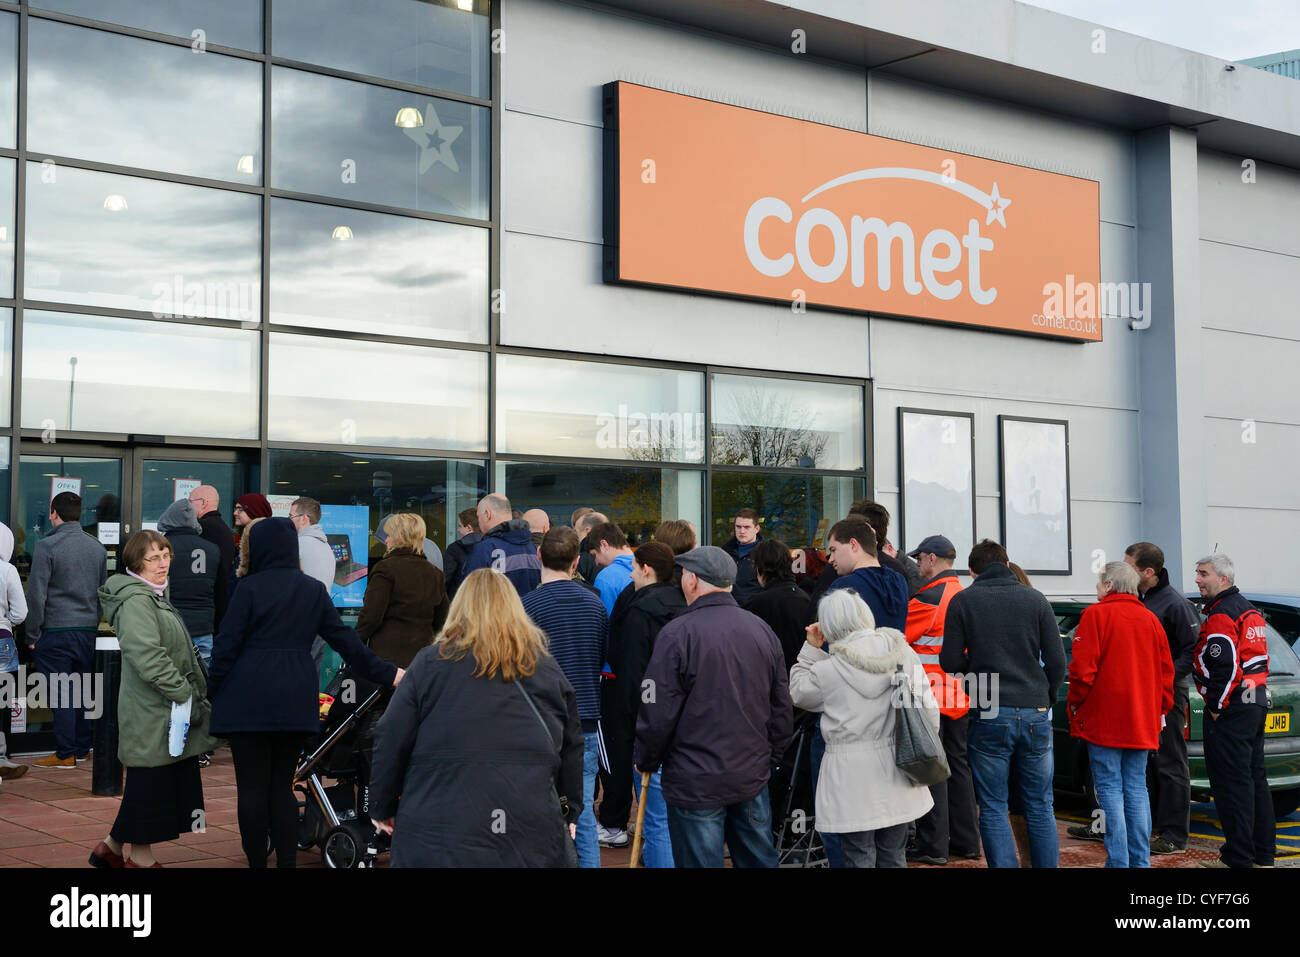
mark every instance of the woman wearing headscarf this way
{"type": "Point", "coordinates": [862, 796]}
{"type": "Point", "coordinates": [265, 686]}
{"type": "Point", "coordinates": [163, 796]}
{"type": "Point", "coordinates": [482, 742]}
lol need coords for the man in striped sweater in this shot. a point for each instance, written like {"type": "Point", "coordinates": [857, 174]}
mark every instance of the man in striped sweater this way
{"type": "Point", "coordinates": [577, 630]}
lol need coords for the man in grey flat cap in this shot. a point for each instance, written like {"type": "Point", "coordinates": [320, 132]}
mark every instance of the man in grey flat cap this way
{"type": "Point", "coordinates": [716, 714]}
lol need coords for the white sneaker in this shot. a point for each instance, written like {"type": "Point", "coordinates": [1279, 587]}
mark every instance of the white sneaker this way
{"type": "Point", "coordinates": [611, 836]}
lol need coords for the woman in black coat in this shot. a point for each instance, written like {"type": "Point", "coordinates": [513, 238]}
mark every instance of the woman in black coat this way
{"type": "Point", "coordinates": [781, 603]}
{"type": "Point", "coordinates": [482, 742]}
{"type": "Point", "coordinates": [264, 685]}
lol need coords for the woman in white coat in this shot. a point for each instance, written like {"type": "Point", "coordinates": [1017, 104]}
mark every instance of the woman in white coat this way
{"type": "Point", "coordinates": [861, 794]}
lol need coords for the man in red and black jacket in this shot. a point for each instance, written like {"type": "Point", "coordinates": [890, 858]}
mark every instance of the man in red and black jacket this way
{"type": "Point", "coordinates": [1230, 667]}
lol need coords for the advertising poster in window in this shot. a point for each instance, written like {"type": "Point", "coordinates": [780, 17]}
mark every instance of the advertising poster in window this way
{"type": "Point", "coordinates": [1036, 493]}
{"type": "Point", "coordinates": [347, 529]}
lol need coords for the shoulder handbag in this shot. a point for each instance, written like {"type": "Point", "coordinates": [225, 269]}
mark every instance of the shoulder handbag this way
{"type": "Point", "coordinates": [561, 802]}
{"type": "Point", "coordinates": [918, 749]}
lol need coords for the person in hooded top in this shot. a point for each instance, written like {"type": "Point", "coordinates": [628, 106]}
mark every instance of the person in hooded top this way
{"type": "Point", "coordinates": [193, 574]}
{"type": "Point", "coordinates": [862, 796]}
{"type": "Point", "coordinates": [13, 610]}
{"type": "Point", "coordinates": [506, 547]}
{"type": "Point", "coordinates": [264, 685]}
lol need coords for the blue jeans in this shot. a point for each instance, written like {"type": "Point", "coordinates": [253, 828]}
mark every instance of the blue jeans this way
{"type": "Point", "coordinates": [1119, 776]}
{"type": "Point", "coordinates": [203, 643]}
{"type": "Point", "coordinates": [588, 844]}
{"type": "Point", "coordinates": [1019, 739]}
{"type": "Point", "coordinates": [746, 828]}
{"type": "Point", "coordinates": [817, 751]}
{"type": "Point", "coordinates": [657, 845]}
{"type": "Point", "coordinates": [62, 653]}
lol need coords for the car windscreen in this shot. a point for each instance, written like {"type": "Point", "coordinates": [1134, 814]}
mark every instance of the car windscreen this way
{"type": "Point", "coordinates": [1282, 660]}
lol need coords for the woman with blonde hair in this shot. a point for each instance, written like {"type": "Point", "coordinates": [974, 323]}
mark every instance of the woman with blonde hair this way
{"type": "Point", "coordinates": [482, 742]}
{"type": "Point", "coordinates": [862, 796]}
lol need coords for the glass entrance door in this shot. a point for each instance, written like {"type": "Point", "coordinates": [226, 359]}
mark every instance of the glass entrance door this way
{"type": "Point", "coordinates": [167, 474]}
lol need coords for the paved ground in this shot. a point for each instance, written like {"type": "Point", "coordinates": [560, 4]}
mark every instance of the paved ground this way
{"type": "Point", "coordinates": [49, 818]}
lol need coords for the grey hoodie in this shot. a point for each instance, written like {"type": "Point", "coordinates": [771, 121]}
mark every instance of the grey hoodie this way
{"type": "Point", "coordinates": [192, 581]}
{"type": "Point", "coordinates": [68, 566]}
{"type": "Point", "coordinates": [316, 556]}
{"type": "Point", "coordinates": [13, 605]}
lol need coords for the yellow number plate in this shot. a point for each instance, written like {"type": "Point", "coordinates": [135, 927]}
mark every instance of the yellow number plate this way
{"type": "Point", "coordinates": [1277, 722]}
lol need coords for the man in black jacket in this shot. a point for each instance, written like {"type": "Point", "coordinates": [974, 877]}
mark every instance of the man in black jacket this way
{"type": "Point", "coordinates": [457, 553]}
{"type": "Point", "coordinates": [1004, 636]}
{"type": "Point", "coordinates": [740, 547]}
{"type": "Point", "coordinates": [1167, 773]}
{"type": "Point", "coordinates": [716, 713]}
{"type": "Point", "coordinates": [206, 501]}
{"type": "Point", "coordinates": [195, 566]}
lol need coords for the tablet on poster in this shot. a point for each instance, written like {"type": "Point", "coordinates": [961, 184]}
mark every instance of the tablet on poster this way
{"type": "Point", "coordinates": [347, 529]}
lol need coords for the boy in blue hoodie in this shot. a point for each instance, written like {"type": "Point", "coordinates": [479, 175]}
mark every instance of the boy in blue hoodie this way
{"type": "Point", "coordinates": [851, 548]}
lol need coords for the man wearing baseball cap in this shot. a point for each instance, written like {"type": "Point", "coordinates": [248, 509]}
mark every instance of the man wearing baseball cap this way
{"type": "Point", "coordinates": [952, 826]}
{"type": "Point", "coordinates": [716, 714]}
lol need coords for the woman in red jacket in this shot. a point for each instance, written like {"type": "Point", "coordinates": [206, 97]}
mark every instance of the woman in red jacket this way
{"type": "Point", "coordinates": [1121, 685]}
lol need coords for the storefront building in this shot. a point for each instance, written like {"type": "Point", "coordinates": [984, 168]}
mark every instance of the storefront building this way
{"type": "Point", "coordinates": [390, 261]}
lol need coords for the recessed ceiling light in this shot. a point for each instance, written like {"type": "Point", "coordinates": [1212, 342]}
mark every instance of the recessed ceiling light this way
{"type": "Point", "coordinates": [361, 462]}
{"type": "Point", "coordinates": [342, 233]}
{"type": "Point", "coordinates": [465, 4]}
{"type": "Point", "coordinates": [408, 118]}
{"type": "Point", "coordinates": [245, 164]}
{"type": "Point", "coordinates": [115, 203]}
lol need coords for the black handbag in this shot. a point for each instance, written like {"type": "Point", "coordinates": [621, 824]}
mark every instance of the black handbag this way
{"type": "Point", "coordinates": [918, 749]}
{"type": "Point", "coordinates": [561, 801]}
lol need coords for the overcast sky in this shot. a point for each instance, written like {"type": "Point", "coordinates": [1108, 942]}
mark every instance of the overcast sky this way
{"type": "Point", "coordinates": [1232, 29]}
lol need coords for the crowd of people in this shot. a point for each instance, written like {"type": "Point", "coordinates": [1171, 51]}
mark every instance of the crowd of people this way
{"type": "Point", "coordinates": [536, 678]}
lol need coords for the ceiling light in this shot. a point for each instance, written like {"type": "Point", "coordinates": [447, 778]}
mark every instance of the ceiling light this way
{"type": "Point", "coordinates": [361, 462]}
{"type": "Point", "coordinates": [281, 483]}
{"type": "Point", "coordinates": [115, 203]}
{"type": "Point", "coordinates": [245, 164]}
{"type": "Point", "coordinates": [342, 233]}
{"type": "Point", "coordinates": [465, 4]}
{"type": "Point", "coordinates": [4, 234]}
{"type": "Point", "coordinates": [408, 118]}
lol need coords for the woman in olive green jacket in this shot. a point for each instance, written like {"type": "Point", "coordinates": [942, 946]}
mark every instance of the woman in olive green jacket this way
{"type": "Point", "coordinates": [163, 797]}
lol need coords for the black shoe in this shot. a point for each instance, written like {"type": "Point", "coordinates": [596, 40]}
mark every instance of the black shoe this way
{"type": "Point", "coordinates": [918, 858]}
{"type": "Point", "coordinates": [968, 855]}
{"type": "Point", "coordinates": [204, 760]}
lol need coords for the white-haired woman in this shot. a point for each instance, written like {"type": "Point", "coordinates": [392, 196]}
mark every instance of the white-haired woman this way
{"type": "Point", "coordinates": [862, 796]}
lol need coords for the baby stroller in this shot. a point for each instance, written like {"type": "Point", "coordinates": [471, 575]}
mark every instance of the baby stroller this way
{"type": "Point", "coordinates": [798, 842]}
{"type": "Point", "coordinates": [336, 818]}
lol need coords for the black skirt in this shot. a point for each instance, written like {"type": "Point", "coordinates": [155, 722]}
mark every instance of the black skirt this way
{"type": "Point", "coordinates": [160, 804]}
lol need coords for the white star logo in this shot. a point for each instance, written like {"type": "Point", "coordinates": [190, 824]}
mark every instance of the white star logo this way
{"type": "Point", "coordinates": [435, 141]}
{"type": "Point", "coordinates": [996, 205]}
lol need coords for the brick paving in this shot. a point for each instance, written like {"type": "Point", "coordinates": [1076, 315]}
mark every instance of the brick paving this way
{"type": "Point", "coordinates": [49, 818]}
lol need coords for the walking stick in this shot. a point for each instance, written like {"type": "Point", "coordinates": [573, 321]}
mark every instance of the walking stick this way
{"type": "Point", "coordinates": [640, 819]}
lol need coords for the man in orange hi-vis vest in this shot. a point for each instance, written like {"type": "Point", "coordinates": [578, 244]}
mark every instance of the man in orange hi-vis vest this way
{"type": "Point", "coordinates": [952, 825]}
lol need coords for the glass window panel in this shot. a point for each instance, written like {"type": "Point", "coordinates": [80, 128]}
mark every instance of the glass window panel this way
{"type": "Point", "coordinates": [391, 275]}
{"type": "Point", "coordinates": [105, 97]}
{"type": "Point", "coordinates": [636, 499]}
{"type": "Point", "coordinates": [433, 43]}
{"type": "Point", "coordinates": [6, 365]}
{"type": "Point", "coordinates": [230, 479]}
{"type": "Point", "coordinates": [105, 374]}
{"type": "Point", "coordinates": [598, 410]}
{"type": "Point", "coordinates": [377, 393]}
{"type": "Point", "coordinates": [231, 23]}
{"type": "Point", "coordinates": [786, 423]}
{"type": "Point", "coordinates": [341, 138]}
{"type": "Point", "coordinates": [9, 80]}
{"type": "Point", "coordinates": [435, 489]}
{"type": "Point", "coordinates": [101, 499]}
{"type": "Point", "coordinates": [123, 242]}
{"type": "Point", "coordinates": [8, 191]}
{"type": "Point", "coordinates": [791, 508]}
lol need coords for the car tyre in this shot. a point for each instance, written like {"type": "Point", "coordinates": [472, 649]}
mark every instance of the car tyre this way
{"type": "Point", "coordinates": [1285, 802]}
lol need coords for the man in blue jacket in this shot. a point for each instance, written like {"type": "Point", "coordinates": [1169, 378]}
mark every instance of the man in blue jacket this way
{"type": "Point", "coordinates": [851, 548]}
{"type": "Point", "coordinates": [506, 547]}
{"type": "Point", "coordinates": [716, 713]}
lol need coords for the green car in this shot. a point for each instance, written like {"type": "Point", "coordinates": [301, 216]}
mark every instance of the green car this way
{"type": "Point", "coordinates": [1281, 733]}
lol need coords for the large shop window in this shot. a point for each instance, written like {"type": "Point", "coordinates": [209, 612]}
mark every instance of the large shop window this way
{"type": "Point", "coordinates": [637, 499]}
{"type": "Point", "coordinates": [786, 423]}
{"type": "Point", "coordinates": [336, 268]}
{"type": "Point", "coordinates": [6, 364]}
{"type": "Point", "coordinates": [104, 374]}
{"type": "Point", "coordinates": [231, 23]}
{"type": "Point", "coordinates": [436, 43]}
{"type": "Point", "coordinates": [791, 507]}
{"type": "Point", "coordinates": [8, 190]}
{"type": "Point", "coordinates": [355, 141]}
{"type": "Point", "coordinates": [123, 242]}
{"type": "Point", "coordinates": [116, 99]}
{"type": "Point", "coordinates": [598, 410]}
{"type": "Point", "coordinates": [359, 490]}
{"type": "Point", "coordinates": [8, 81]}
{"type": "Point", "coordinates": [334, 391]}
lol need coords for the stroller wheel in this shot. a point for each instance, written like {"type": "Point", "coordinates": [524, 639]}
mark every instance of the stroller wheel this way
{"type": "Point", "coordinates": [344, 847]}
